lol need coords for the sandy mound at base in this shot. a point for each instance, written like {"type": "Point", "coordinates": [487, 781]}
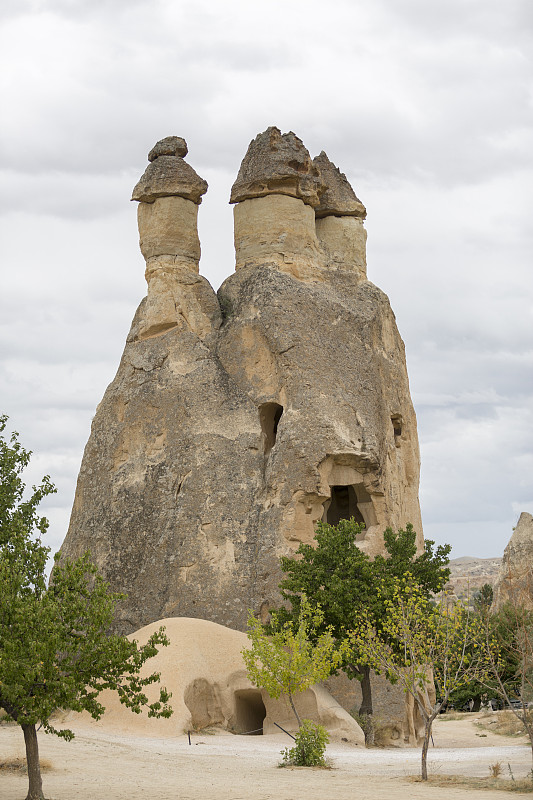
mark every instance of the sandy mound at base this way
{"type": "Point", "coordinates": [204, 670]}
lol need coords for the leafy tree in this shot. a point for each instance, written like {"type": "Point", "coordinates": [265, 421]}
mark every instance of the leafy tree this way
{"type": "Point", "coordinates": [338, 576]}
{"type": "Point", "coordinates": [512, 627]}
{"type": "Point", "coordinates": [55, 649]}
{"type": "Point", "coordinates": [285, 661]}
{"type": "Point", "coordinates": [483, 598]}
{"type": "Point", "coordinates": [502, 628]}
{"type": "Point", "coordinates": [423, 646]}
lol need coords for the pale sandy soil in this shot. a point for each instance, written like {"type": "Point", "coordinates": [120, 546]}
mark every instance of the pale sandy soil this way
{"type": "Point", "coordinates": [105, 765]}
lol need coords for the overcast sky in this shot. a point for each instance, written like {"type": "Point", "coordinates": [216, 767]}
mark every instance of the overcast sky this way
{"type": "Point", "coordinates": [426, 106]}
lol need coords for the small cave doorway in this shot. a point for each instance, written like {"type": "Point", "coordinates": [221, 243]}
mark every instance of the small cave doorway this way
{"type": "Point", "coordinates": [269, 417]}
{"type": "Point", "coordinates": [250, 712]}
{"type": "Point", "coordinates": [343, 505]}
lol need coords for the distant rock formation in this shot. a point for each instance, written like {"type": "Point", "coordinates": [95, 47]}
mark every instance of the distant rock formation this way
{"type": "Point", "coordinates": [468, 575]}
{"type": "Point", "coordinates": [235, 422]}
{"type": "Point", "coordinates": [515, 580]}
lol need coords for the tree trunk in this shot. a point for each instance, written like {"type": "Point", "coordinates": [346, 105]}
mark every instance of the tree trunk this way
{"type": "Point", "coordinates": [35, 790]}
{"type": "Point", "coordinates": [366, 690]}
{"type": "Point", "coordinates": [366, 709]}
{"type": "Point", "coordinates": [425, 745]}
{"type": "Point", "coordinates": [291, 701]}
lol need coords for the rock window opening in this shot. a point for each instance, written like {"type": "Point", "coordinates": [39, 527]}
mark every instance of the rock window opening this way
{"type": "Point", "coordinates": [269, 417]}
{"type": "Point", "coordinates": [250, 712]}
{"type": "Point", "coordinates": [343, 505]}
{"type": "Point", "coordinates": [396, 420]}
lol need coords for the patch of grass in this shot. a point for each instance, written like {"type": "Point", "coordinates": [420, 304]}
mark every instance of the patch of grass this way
{"type": "Point", "coordinates": [19, 765]}
{"type": "Point", "coordinates": [505, 723]}
{"type": "Point", "coordinates": [454, 716]}
{"type": "Point", "coordinates": [522, 786]}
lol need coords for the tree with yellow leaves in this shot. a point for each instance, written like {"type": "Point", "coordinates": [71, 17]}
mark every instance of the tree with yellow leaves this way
{"type": "Point", "coordinates": [284, 660]}
{"type": "Point", "coordinates": [421, 643]}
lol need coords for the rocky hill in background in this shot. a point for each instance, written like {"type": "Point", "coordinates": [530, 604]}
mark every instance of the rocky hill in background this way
{"type": "Point", "coordinates": [468, 574]}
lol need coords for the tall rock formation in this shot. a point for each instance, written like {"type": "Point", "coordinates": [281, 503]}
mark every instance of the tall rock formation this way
{"type": "Point", "coordinates": [515, 580]}
{"type": "Point", "coordinates": [235, 422]}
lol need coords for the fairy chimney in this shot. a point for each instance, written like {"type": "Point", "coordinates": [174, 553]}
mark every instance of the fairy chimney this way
{"type": "Point", "coordinates": [237, 421]}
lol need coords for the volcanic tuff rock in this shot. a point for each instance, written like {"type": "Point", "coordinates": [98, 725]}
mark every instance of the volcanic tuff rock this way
{"type": "Point", "coordinates": [338, 198]}
{"type": "Point", "coordinates": [235, 422]}
{"type": "Point", "coordinates": [515, 580]}
{"type": "Point", "coordinates": [277, 163]}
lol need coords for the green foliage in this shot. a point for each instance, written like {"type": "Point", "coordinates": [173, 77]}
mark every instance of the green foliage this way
{"type": "Point", "coordinates": [444, 637]}
{"type": "Point", "coordinates": [56, 651]}
{"type": "Point", "coordinates": [482, 599]}
{"type": "Point", "coordinates": [421, 643]}
{"type": "Point", "coordinates": [284, 660]}
{"type": "Point", "coordinates": [339, 577]}
{"type": "Point", "coordinates": [310, 747]}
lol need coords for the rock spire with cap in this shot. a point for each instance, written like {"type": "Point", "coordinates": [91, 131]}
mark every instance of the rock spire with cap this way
{"type": "Point", "coordinates": [168, 194]}
{"type": "Point", "coordinates": [168, 174]}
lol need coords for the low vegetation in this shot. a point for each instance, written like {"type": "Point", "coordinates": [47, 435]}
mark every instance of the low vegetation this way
{"type": "Point", "coordinates": [504, 723]}
{"type": "Point", "coordinates": [19, 765]}
{"type": "Point", "coordinates": [310, 747]}
{"type": "Point", "coordinates": [518, 785]}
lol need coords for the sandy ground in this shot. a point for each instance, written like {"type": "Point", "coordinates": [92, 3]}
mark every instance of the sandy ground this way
{"type": "Point", "coordinates": [100, 764]}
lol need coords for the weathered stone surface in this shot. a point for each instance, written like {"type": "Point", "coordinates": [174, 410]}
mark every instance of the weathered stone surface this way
{"type": "Point", "coordinates": [338, 198]}
{"type": "Point", "coordinates": [277, 163]}
{"type": "Point", "coordinates": [278, 231]}
{"type": "Point", "coordinates": [343, 242]}
{"type": "Point", "coordinates": [169, 146]}
{"type": "Point", "coordinates": [515, 579]}
{"type": "Point", "coordinates": [234, 423]}
{"type": "Point", "coordinates": [168, 174]}
{"type": "Point", "coordinates": [169, 226]}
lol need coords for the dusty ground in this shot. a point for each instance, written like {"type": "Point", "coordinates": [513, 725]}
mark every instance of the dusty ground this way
{"type": "Point", "coordinates": [104, 765]}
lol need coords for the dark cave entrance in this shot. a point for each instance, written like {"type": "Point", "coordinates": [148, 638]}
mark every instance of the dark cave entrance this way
{"type": "Point", "coordinates": [343, 505]}
{"type": "Point", "coordinates": [269, 417]}
{"type": "Point", "coordinates": [250, 712]}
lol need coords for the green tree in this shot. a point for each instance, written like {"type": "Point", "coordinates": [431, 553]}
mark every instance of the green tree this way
{"type": "Point", "coordinates": [424, 646]}
{"type": "Point", "coordinates": [55, 648]}
{"type": "Point", "coordinates": [338, 576]}
{"type": "Point", "coordinates": [512, 628]}
{"type": "Point", "coordinates": [285, 660]}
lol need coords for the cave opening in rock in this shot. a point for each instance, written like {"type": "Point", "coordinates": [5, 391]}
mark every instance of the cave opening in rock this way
{"type": "Point", "coordinates": [396, 420]}
{"type": "Point", "coordinates": [269, 417]}
{"type": "Point", "coordinates": [343, 505]}
{"type": "Point", "coordinates": [250, 712]}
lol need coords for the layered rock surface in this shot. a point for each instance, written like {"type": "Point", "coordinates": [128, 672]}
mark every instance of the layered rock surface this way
{"type": "Point", "coordinates": [235, 422]}
{"type": "Point", "coordinates": [515, 580]}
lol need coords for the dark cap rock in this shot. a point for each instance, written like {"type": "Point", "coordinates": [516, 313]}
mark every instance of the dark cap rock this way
{"type": "Point", "coordinates": [169, 175]}
{"type": "Point", "coordinates": [338, 199]}
{"type": "Point", "coordinates": [169, 146]}
{"type": "Point", "coordinates": [277, 163]}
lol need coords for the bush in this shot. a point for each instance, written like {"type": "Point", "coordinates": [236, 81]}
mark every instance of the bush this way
{"type": "Point", "coordinates": [310, 747]}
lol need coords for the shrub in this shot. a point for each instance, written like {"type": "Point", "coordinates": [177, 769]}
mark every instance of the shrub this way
{"type": "Point", "coordinates": [310, 747]}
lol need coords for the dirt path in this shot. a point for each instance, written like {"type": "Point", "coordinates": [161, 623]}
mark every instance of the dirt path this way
{"type": "Point", "coordinates": [102, 765]}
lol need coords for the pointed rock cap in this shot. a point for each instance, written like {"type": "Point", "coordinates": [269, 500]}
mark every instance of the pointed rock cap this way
{"type": "Point", "coordinates": [277, 164]}
{"type": "Point", "coordinates": [338, 199]}
{"type": "Point", "coordinates": [169, 175]}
